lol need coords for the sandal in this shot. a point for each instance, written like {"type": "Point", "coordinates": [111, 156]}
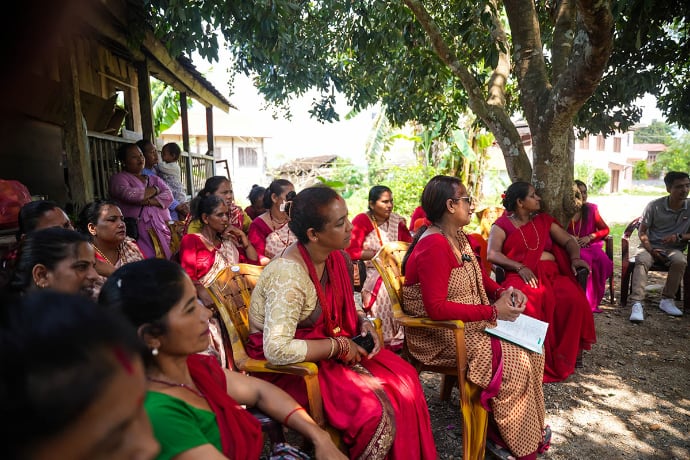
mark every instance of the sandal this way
{"type": "Point", "coordinates": [498, 452]}
{"type": "Point", "coordinates": [545, 440]}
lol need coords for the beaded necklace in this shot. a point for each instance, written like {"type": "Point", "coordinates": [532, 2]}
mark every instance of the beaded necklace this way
{"type": "Point", "coordinates": [536, 232]}
{"type": "Point", "coordinates": [175, 384]}
{"type": "Point", "coordinates": [100, 253]}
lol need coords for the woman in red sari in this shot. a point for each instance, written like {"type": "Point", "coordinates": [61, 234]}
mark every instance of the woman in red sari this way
{"type": "Point", "coordinates": [194, 404]}
{"type": "Point", "coordinates": [205, 254]}
{"type": "Point", "coordinates": [540, 259]}
{"type": "Point", "coordinates": [303, 309]}
{"type": "Point", "coordinates": [269, 232]}
{"type": "Point", "coordinates": [370, 231]}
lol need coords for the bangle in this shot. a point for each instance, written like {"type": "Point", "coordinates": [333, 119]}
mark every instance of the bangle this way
{"type": "Point", "coordinates": [494, 314]}
{"type": "Point", "coordinates": [343, 347]}
{"type": "Point", "coordinates": [576, 258]}
{"type": "Point", "coordinates": [332, 340]}
{"type": "Point", "coordinates": [287, 417]}
{"type": "Point", "coordinates": [519, 268]}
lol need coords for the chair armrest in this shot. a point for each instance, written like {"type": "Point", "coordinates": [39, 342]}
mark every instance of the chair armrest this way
{"type": "Point", "coordinates": [428, 323]}
{"type": "Point", "coordinates": [608, 243]}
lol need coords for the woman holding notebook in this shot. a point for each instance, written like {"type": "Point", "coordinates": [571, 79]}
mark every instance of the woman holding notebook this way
{"type": "Point", "coordinates": [444, 280]}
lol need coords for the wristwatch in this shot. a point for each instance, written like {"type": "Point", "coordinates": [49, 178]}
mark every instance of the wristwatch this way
{"type": "Point", "coordinates": [679, 236]}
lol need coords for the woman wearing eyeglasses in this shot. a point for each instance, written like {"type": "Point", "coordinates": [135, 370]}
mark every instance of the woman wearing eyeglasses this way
{"type": "Point", "coordinates": [541, 259]}
{"type": "Point", "coordinates": [370, 231]}
{"type": "Point", "coordinates": [444, 281]}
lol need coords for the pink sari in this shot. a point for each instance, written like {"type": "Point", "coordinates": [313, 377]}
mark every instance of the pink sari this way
{"type": "Point", "coordinates": [378, 405]}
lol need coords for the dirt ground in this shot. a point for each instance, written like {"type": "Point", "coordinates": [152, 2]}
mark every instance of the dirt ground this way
{"type": "Point", "coordinates": [630, 401]}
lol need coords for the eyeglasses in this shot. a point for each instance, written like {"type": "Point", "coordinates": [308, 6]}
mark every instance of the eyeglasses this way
{"type": "Point", "coordinates": [468, 199]}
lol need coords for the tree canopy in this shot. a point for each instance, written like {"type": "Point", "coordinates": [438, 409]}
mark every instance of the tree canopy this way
{"type": "Point", "coordinates": [429, 62]}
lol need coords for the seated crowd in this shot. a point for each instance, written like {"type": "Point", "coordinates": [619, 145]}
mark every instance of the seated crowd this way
{"type": "Point", "coordinates": [303, 308]}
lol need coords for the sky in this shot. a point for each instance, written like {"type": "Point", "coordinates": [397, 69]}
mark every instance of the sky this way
{"type": "Point", "coordinates": [302, 136]}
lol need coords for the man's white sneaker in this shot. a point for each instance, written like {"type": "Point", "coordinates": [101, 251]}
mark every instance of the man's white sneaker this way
{"type": "Point", "coordinates": [637, 315]}
{"type": "Point", "coordinates": [669, 307]}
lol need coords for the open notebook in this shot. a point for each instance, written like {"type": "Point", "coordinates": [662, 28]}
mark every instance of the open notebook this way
{"type": "Point", "coordinates": [525, 331]}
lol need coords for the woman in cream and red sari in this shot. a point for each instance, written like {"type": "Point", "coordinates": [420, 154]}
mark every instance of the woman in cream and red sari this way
{"type": "Point", "coordinates": [540, 259]}
{"type": "Point", "coordinates": [370, 231]}
{"type": "Point", "coordinates": [590, 230]}
{"type": "Point", "coordinates": [444, 280]}
{"type": "Point", "coordinates": [270, 233]}
{"type": "Point", "coordinates": [205, 254]}
{"type": "Point", "coordinates": [303, 309]}
{"type": "Point", "coordinates": [103, 221]}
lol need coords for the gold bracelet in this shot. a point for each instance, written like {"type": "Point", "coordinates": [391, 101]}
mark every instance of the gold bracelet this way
{"type": "Point", "coordinates": [332, 340]}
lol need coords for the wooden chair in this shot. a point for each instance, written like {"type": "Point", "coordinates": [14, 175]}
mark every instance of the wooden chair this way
{"type": "Point", "coordinates": [388, 262]}
{"type": "Point", "coordinates": [628, 267]}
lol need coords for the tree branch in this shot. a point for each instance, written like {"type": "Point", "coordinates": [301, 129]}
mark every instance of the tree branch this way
{"type": "Point", "coordinates": [493, 115]}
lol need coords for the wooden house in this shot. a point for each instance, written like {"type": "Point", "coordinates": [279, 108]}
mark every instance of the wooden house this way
{"type": "Point", "coordinates": [78, 87]}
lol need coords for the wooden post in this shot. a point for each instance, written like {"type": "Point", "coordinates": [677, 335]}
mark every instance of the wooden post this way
{"type": "Point", "coordinates": [209, 138]}
{"type": "Point", "coordinates": [184, 118]}
{"type": "Point", "coordinates": [145, 103]}
{"type": "Point", "coordinates": [75, 139]}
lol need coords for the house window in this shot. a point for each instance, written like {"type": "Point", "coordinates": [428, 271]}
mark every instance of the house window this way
{"type": "Point", "coordinates": [584, 143]}
{"type": "Point", "coordinates": [600, 143]}
{"type": "Point", "coordinates": [617, 144]}
{"type": "Point", "coordinates": [247, 157]}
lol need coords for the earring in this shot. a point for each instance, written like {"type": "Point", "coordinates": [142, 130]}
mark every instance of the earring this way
{"type": "Point", "coordinates": [154, 351]}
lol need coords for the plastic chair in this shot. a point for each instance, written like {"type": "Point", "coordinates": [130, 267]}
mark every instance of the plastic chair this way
{"type": "Point", "coordinates": [628, 267]}
{"type": "Point", "coordinates": [388, 262]}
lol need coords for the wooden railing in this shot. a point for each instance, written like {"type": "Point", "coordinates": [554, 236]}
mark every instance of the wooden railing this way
{"type": "Point", "coordinates": [103, 149]}
{"type": "Point", "coordinates": [203, 167]}
{"type": "Point", "coordinates": [104, 164]}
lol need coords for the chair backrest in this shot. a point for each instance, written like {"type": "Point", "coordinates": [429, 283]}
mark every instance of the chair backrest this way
{"type": "Point", "coordinates": [388, 262]}
{"type": "Point", "coordinates": [232, 289]}
{"type": "Point", "coordinates": [157, 245]}
{"type": "Point", "coordinates": [177, 228]}
{"type": "Point", "coordinates": [625, 239]}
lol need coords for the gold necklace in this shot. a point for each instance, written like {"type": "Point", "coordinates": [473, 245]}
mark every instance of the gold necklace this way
{"type": "Point", "coordinates": [100, 253]}
{"type": "Point", "coordinates": [579, 228]}
{"type": "Point", "coordinates": [536, 232]}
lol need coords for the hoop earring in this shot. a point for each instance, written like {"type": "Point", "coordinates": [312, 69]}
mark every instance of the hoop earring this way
{"type": "Point", "coordinates": [154, 351]}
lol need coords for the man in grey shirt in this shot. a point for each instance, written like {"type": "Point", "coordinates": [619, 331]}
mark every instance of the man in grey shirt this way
{"type": "Point", "coordinates": [664, 234]}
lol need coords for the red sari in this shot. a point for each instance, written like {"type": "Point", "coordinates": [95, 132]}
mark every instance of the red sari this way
{"type": "Point", "coordinates": [240, 431]}
{"type": "Point", "coordinates": [378, 405]}
{"type": "Point", "coordinates": [558, 300]}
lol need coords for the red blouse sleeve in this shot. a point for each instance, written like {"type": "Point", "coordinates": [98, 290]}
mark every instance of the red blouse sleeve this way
{"type": "Point", "coordinates": [361, 227]}
{"type": "Point", "coordinates": [404, 232]}
{"type": "Point", "coordinates": [258, 231]}
{"type": "Point", "coordinates": [602, 229]}
{"type": "Point", "coordinates": [434, 262]}
{"type": "Point", "coordinates": [190, 247]}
